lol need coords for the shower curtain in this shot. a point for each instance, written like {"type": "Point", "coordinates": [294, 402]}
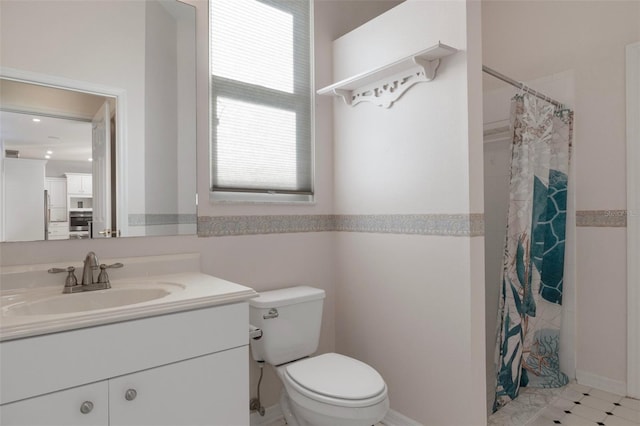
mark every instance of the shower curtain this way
{"type": "Point", "coordinates": [531, 292]}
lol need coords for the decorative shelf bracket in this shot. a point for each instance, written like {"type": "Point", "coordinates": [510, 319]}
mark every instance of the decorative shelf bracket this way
{"type": "Point", "coordinates": [428, 67]}
{"type": "Point", "coordinates": [345, 94]}
{"type": "Point", "coordinates": [385, 85]}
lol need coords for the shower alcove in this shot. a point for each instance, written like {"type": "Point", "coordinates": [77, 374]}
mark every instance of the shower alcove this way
{"type": "Point", "coordinates": [497, 158]}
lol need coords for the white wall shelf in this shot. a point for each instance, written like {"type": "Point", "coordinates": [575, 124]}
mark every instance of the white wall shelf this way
{"type": "Point", "coordinates": [384, 85]}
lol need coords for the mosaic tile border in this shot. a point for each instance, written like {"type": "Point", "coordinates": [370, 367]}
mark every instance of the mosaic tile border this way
{"type": "Point", "coordinates": [456, 225]}
{"type": "Point", "coordinates": [602, 218]}
{"type": "Point", "coordinates": [423, 224]}
{"type": "Point", "coordinates": [220, 226]}
{"type": "Point", "coordinates": [142, 219]}
{"type": "Point", "coordinates": [463, 225]}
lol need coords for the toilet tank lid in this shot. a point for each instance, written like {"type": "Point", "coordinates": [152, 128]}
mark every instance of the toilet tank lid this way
{"type": "Point", "coordinates": [286, 296]}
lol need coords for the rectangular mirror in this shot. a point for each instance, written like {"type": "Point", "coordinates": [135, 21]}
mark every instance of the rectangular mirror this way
{"type": "Point", "coordinates": [97, 119]}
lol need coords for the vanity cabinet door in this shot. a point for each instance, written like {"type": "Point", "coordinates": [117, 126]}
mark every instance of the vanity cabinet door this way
{"type": "Point", "coordinates": [79, 406]}
{"type": "Point", "coordinates": [207, 390]}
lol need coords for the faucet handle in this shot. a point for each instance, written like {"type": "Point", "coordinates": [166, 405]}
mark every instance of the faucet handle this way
{"type": "Point", "coordinates": [103, 278]}
{"type": "Point", "coordinates": [58, 270]}
{"type": "Point", "coordinates": [71, 280]}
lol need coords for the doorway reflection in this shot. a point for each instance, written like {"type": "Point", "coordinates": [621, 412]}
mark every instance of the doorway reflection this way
{"type": "Point", "coordinates": [50, 180]}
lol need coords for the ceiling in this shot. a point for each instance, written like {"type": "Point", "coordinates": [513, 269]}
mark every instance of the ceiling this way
{"type": "Point", "coordinates": [68, 140]}
{"type": "Point", "coordinates": [65, 120]}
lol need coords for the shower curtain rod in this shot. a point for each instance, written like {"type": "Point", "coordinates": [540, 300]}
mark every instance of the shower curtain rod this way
{"type": "Point", "coordinates": [521, 86]}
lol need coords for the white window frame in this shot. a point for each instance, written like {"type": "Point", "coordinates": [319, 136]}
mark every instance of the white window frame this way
{"type": "Point", "coordinates": [259, 95]}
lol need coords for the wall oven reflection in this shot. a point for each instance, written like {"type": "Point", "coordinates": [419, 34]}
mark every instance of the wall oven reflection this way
{"type": "Point", "coordinates": [80, 224]}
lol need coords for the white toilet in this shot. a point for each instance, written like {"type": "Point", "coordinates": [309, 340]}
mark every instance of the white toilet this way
{"type": "Point", "coordinates": [325, 390]}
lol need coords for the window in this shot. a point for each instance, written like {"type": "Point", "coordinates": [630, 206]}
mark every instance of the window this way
{"type": "Point", "coordinates": [261, 98]}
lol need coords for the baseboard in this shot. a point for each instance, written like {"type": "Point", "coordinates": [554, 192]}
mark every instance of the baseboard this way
{"type": "Point", "coordinates": [603, 383]}
{"type": "Point", "coordinates": [272, 415]}
{"type": "Point", "coordinates": [393, 418]}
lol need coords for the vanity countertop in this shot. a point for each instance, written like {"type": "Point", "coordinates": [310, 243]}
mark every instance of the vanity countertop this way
{"type": "Point", "coordinates": [36, 311]}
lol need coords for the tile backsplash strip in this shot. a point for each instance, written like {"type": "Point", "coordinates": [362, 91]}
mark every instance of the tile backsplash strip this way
{"type": "Point", "coordinates": [419, 224]}
{"type": "Point", "coordinates": [220, 226]}
{"type": "Point", "coordinates": [453, 225]}
{"type": "Point", "coordinates": [459, 225]}
{"type": "Point", "coordinates": [143, 219]}
{"type": "Point", "coordinates": [602, 218]}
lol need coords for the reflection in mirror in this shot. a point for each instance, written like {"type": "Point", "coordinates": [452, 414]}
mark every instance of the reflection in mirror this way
{"type": "Point", "coordinates": [124, 99]}
{"type": "Point", "coordinates": [56, 129]}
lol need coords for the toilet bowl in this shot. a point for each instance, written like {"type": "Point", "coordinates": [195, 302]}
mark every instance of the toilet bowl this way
{"type": "Point", "coordinates": [323, 390]}
{"type": "Point", "coordinates": [332, 389]}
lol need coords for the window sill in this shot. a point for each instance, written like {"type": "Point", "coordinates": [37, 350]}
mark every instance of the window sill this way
{"type": "Point", "coordinates": [259, 198]}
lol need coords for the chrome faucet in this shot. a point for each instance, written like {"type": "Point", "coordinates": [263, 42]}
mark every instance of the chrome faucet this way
{"type": "Point", "coordinates": [88, 282]}
{"type": "Point", "coordinates": [90, 263]}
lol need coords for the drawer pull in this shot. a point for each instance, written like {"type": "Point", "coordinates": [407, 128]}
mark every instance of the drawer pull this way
{"type": "Point", "coordinates": [86, 407]}
{"type": "Point", "coordinates": [130, 394]}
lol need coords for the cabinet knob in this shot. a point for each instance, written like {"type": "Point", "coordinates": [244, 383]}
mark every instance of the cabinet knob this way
{"type": "Point", "coordinates": [130, 394]}
{"type": "Point", "coordinates": [86, 407]}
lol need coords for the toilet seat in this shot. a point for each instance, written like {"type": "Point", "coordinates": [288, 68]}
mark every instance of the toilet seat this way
{"type": "Point", "coordinates": [336, 380]}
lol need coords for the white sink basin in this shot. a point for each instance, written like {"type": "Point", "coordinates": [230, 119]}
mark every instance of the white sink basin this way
{"type": "Point", "coordinates": [88, 301]}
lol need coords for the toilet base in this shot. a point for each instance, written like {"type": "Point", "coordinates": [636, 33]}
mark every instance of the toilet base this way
{"type": "Point", "coordinates": [289, 417]}
{"type": "Point", "coordinates": [298, 415]}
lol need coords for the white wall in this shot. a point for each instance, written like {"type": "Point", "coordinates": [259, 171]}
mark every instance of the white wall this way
{"type": "Point", "coordinates": [588, 40]}
{"type": "Point", "coordinates": [187, 109]}
{"type": "Point", "coordinates": [267, 262]}
{"type": "Point", "coordinates": [497, 161]}
{"type": "Point", "coordinates": [426, 280]}
{"type": "Point", "coordinates": [59, 168]}
{"type": "Point", "coordinates": [161, 111]}
{"type": "Point", "coordinates": [2, 196]}
{"type": "Point", "coordinates": [412, 306]}
{"type": "Point", "coordinates": [54, 49]}
{"type": "Point", "coordinates": [170, 94]}
{"type": "Point", "coordinates": [261, 261]}
{"type": "Point", "coordinates": [633, 219]}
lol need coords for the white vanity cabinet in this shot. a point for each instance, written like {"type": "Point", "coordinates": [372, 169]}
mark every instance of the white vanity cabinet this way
{"type": "Point", "coordinates": [201, 391]}
{"type": "Point", "coordinates": [183, 368]}
{"type": "Point", "coordinates": [62, 408]}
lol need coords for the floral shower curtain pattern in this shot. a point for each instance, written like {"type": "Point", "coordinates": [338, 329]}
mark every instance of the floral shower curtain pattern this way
{"type": "Point", "coordinates": [532, 277]}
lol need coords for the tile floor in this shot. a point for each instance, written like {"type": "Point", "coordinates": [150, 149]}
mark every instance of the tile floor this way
{"type": "Point", "coordinates": [281, 422]}
{"type": "Point", "coordinates": [572, 405]}
{"type": "Point", "coordinates": [529, 404]}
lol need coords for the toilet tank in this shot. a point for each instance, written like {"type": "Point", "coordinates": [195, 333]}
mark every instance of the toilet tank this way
{"type": "Point", "coordinates": [290, 320]}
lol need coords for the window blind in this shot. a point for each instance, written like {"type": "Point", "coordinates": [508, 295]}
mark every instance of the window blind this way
{"type": "Point", "coordinates": [261, 96]}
